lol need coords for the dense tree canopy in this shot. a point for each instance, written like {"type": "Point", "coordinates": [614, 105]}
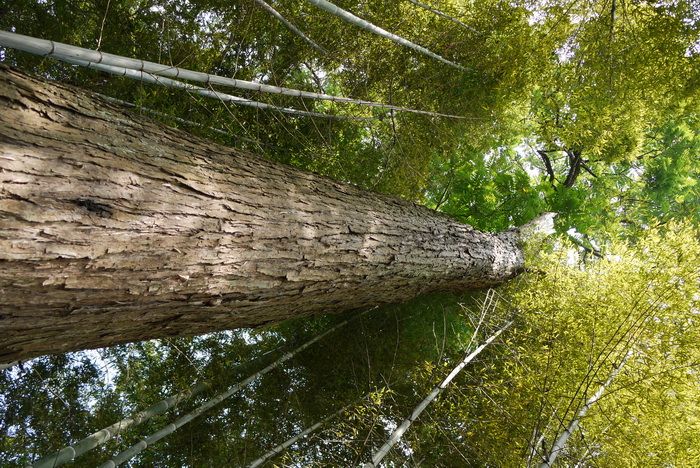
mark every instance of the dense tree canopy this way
{"type": "Point", "coordinates": [589, 109]}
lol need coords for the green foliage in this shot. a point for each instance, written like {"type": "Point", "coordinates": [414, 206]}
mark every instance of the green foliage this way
{"type": "Point", "coordinates": [615, 70]}
{"type": "Point", "coordinates": [489, 191]}
{"type": "Point", "coordinates": [614, 82]}
{"type": "Point", "coordinates": [630, 196]}
{"type": "Point", "coordinates": [381, 359]}
{"type": "Point", "coordinates": [576, 322]}
{"type": "Point", "coordinates": [50, 401]}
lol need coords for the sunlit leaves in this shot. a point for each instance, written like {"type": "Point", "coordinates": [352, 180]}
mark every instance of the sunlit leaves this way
{"type": "Point", "coordinates": [577, 323]}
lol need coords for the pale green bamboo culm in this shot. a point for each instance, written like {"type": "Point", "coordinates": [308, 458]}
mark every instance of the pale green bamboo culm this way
{"type": "Point", "coordinates": [286, 444]}
{"type": "Point", "coordinates": [359, 22]}
{"type": "Point", "coordinates": [67, 52]}
{"type": "Point", "coordinates": [399, 431]}
{"type": "Point", "coordinates": [69, 453]}
{"type": "Point", "coordinates": [564, 437]}
{"type": "Point", "coordinates": [170, 428]}
{"type": "Point", "coordinates": [100, 437]}
{"type": "Point", "coordinates": [151, 78]}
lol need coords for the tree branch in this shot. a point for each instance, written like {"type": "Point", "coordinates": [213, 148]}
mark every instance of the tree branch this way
{"type": "Point", "coordinates": [548, 166]}
{"type": "Point", "coordinates": [574, 167]}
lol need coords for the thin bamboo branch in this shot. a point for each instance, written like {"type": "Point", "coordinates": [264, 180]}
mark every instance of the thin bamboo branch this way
{"type": "Point", "coordinates": [65, 52]}
{"type": "Point", "coordinates": [286, 444]}
{"type": "Point", "coordinates": [439, 13]}
{"type": "Point", "coordinates": [184, 121]}
{"type": "Point", "coordinates": [399, 431]}
{"type": "Point", "coordinates": [167, 116]}
{"type": "Point", "coordinates": [294, 29]}
{"type": "Point", "coordinates": [564, 437]}
{"type": "Point", "coordinates": [170, 428]}
{"type": "Point", "coordinates": [102, 26]}
{"type": "Point", "coordinates": [359, 22]}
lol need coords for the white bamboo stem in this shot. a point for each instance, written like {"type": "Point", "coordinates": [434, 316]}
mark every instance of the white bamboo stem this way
{"type": "Point", "coordinates": [286, 444]}
{"type": "Point", "coordinates": [167, 82]}
{"type": "Point", "coordinates": [564, 437]}
{"type": "Point", "coordinates": [100, 437]}
{"type": "Point", "coordinates": [359, 22]}
{"type": "Point", "coordinates": [399, 431]}
{"type": "Point", "coordinates": [65, 52]}
{"type": "Point", "coordinates": [170, 428]}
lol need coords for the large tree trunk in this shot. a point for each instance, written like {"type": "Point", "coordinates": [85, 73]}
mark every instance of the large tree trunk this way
{"type": "Point", "coordinates": [115, 229]}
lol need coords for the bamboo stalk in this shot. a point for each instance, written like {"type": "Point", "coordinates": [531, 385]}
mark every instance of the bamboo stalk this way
{"type": "Point", "coordinates": [399, 431]}
{"type": "Point", "coordinates": [170, 428]}
{"type": "Point", "coordinates": [359, 22]}
{"type": "Point", "coordinates": [167, 82]}
{"type": "Point", "coordinates": [564, 437]}
{"type": "Point", "coordinates": [100, 437]}
{"type": "Point", "coordinates": [274, 451]}
{"type": "Point", "coordinates": [64, 52]}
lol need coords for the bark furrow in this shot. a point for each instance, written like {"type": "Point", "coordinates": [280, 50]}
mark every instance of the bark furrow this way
{"type": "Point", "coordinates": [114, 228]}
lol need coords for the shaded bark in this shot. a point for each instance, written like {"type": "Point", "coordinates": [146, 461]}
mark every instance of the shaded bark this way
{"type": "Point", "coordinates": [548, 166]}
{"type": "Point", "coordinates": [575, 163]}
{"type": "Point", "coordinates": [114, 229]}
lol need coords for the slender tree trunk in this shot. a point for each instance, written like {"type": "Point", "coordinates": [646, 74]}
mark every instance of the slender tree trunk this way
{"type": "Point", "coordinates": [292, 440]}
{"type": "Point", "coordinates": [115, 229]}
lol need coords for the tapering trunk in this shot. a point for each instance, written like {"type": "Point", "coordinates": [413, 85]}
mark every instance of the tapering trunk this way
{"type": "Point", "coordinates": [115, 229]}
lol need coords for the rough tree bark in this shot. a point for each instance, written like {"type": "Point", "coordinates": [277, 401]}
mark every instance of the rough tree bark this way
{"type": "Point", "coordinates": [114, 228]}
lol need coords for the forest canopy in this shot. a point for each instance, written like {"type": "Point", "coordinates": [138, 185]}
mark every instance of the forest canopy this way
{"type": "Point", "coordinates": [587, 109]}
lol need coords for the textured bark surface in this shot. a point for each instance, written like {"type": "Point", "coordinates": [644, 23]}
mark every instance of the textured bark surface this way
{"type": "Point", "coordinates": [115, 229]}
